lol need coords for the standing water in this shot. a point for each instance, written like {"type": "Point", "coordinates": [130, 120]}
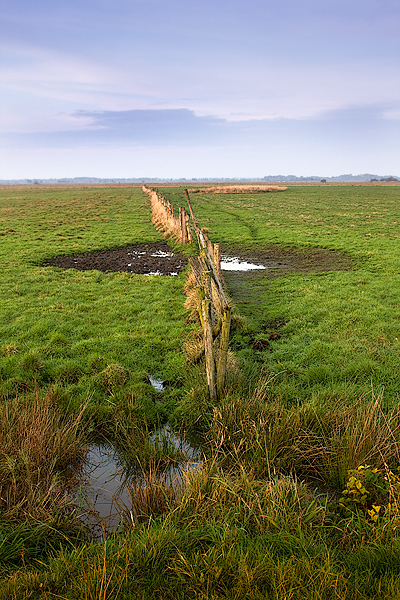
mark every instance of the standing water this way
{"type": "Point", "coordinates": [104, 495]}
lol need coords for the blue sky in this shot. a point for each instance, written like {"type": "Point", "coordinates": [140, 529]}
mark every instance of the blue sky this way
{"type": "Point", "coordinates": [238, 88]}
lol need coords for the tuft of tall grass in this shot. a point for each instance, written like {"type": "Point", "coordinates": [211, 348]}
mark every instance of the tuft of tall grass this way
{"type": "Point", "coordinates": [37, 447]}
{"type": "Point", "coordinates": [151, 495]}
{"type": "Point", "coordinates": [320, 440]}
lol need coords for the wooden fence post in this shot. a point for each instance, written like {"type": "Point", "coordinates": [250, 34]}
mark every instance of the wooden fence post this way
{"type": "Point", "coordinates": [182, 215]}
{"type": "Point", "coordinates": [217, 259]}
{"type": "Point", "coordinates": [208, 347]}
{"type": "Point", "coordinates": [223, 350]}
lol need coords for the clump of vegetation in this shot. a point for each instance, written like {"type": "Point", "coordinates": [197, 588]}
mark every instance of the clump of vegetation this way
{"type": "Point", "coordinates": [37, 449]}
{"type": "Point", "coordinates": [114, 376]}
{"type": "Point", "coordinates": [372, 491]}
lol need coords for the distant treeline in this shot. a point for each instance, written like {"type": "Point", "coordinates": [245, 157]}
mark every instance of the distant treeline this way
{"type": "Point", "coordinates": [141, 180]}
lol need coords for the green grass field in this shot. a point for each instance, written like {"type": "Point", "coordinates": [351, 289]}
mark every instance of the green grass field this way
{"type": "Point", "coordinates": [341, 334]}
{"type": "Point", "coordinates": [265, 516]}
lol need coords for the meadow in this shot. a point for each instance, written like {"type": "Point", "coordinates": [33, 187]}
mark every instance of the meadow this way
{"type": "Point", "coordinates": [298, 493]}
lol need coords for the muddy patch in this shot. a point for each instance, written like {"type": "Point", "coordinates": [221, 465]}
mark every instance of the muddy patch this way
{"type": "Point", "coordinates": [278, 261]}
{"type": "Point", "coordinates": [144, 259]}
{"type": "Point", "coordinates": [247, 287]}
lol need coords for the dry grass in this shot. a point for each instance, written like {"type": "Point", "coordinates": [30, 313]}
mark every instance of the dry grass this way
{"type": "Point", "coordinates": [36, 448]}
{"type": "Point", "coordinates": [162, 220]}
{"type": "Point", "coordinates": [239, 189]}
{"type": "Point", "coordinates": [192, 298]}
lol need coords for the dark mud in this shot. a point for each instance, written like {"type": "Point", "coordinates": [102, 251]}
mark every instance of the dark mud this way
{"type": "Point", "coordinates": [154, 258]}
{"type": "Point", "coordinates": [282, 261]}
{"type": "Point", "coordinates": [158, 258]}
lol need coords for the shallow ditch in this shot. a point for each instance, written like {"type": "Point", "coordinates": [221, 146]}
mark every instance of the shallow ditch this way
{"type": "Point", "coordinates": [108, 490]}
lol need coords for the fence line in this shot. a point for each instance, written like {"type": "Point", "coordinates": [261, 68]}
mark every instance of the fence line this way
{"type": "Point", "coordinates": [213, 306]}
{"type": "Point", "coordinates": [165, 217]}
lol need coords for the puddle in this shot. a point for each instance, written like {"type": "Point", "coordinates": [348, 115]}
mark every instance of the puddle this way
{"type": "Point", "coordinates": [233, 263]}
{"type": "Point", "coordinates": [104, 496]}
{"type": "Point", "coordinates": [171, 273]}
{"type": "Point", "coordinates": [157, 384]}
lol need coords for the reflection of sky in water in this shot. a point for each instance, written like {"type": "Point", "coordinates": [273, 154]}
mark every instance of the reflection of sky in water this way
{"type": "Point", "coordinates": [156, 254]}
{"type": "Point", "coordinates": [157, 384]}
{"type": "Point", "coordinates": [104, 492]}
{"type": "Point", "coordinates": [232, 263]}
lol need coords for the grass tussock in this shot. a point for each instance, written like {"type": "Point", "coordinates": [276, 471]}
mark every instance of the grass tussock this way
{"type": "Point", "coordinates": [317, 440]}
{"type": "Point", "coordinates": [152, 495]}
{"type": "Point", "coordinates": [37, 446]}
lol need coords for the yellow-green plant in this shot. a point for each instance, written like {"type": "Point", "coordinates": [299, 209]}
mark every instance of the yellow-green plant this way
{"type": "Point", "coordinates": [371, 491]}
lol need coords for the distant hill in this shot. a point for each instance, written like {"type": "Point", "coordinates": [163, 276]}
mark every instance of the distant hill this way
{"type": "Point", "coordinates": [271, 178]}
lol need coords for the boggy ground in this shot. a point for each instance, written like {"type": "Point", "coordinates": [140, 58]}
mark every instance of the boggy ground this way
{"type": "Point", "coordinates": [158, 257]}
{"type": "Point", "coordinates": [286, 260]}
{"type": "Point", "coordinates": [155, 257]}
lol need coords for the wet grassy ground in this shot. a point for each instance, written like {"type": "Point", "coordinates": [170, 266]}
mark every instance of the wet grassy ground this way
{"type": "Point", "coordinates": [339, 301]}
{"type": "Point", "coordinates": [313, 392]}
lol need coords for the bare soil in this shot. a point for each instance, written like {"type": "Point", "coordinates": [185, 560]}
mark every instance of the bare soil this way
{"type": "Point", "coordinates": [157, 257]}
{"type": "Point", "coordinates": [145, 259]}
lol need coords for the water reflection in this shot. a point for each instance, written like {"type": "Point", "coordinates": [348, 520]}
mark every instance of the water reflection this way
{"type": "Point", "coordinates": [232, 263]}
{"type": "Point", "coordinates": [105, 494]}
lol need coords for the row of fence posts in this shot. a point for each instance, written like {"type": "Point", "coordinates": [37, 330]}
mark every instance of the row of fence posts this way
{"type": "Point", "coordinates": [170, 218]}
{"type": "Point", "coordinates": [213, 305]}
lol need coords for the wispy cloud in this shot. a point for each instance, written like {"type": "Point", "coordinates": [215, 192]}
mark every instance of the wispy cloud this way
{"type": "Point", "coordinates": [153, 73]}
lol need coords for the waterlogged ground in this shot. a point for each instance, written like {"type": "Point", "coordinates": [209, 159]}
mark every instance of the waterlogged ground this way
{"type": "Point", "coordinates": [314, 392]}
{"type": "Point", "coordinates": [280, 261]}
{"type": "Point", "coordinates": [157, 258]}
{"type": "Point", "coordinates": [106, 482]}
{"type": "Point", "coordinates": [154, 258]}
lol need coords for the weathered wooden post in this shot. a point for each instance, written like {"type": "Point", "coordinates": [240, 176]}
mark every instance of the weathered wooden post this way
{"type": "Point", "coordinates": [182, 218]}
{"type": "Point", "coordinates": [208, 347]}
{"type": "Point", "coordinates": [223, 350]}
{"type": "Point", "coordinates": [217, 259]}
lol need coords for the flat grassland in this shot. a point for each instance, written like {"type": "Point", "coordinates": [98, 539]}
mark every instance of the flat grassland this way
{"type": "Point", "coordinates": [272, 511]}
{"type": "Point", "coordinates": [338, 324]}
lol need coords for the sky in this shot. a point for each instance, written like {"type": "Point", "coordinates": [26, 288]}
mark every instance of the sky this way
{"type": "Point", "coordinates": [199, 88]}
